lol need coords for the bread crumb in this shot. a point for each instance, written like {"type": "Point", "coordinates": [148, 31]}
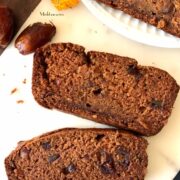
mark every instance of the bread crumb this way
{"type": "Point", "coordinates": [24, 81]}
{"type": "Point", "coordinates": [14, 90]}
{"type": "Point", "coordinates": [20, 102]}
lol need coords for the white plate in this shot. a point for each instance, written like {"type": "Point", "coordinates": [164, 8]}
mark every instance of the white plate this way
{"type": "Point", "coordinates": [131, 27]}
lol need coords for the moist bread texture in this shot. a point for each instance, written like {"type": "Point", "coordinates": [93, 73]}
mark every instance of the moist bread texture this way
{"type": "Point", "coordinates": [164, 14]}
{"type": "Point", "coordinates": [79, 154]}
{"type": "Point", "coordinates": [103, 87]}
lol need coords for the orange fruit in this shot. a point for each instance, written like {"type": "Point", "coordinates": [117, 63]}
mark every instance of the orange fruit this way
{"type": "Point", "coordinates": [64, 4]}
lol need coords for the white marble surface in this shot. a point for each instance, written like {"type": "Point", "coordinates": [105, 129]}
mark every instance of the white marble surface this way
{"type": "Point", "coordinates": [24, 121]}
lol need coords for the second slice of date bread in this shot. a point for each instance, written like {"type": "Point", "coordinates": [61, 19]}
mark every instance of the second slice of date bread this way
{"type": "Point", "coordinates": [103, 87]}
{"type": "Point", "coordinates": [79, 154]}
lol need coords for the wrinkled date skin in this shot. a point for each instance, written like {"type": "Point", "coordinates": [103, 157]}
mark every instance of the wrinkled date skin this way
{"type": "Point", "coordinates": [6, 26]}
{"type": "Point", "coordinates": [34, 36]}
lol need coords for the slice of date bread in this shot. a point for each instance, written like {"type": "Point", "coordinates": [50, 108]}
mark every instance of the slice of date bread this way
{"type": "Point", "coordinates": [103, 87]}
{"type": "Point", "coordinates": [164, 14]}
{"type": "Point", "coordinates": [79, 154]}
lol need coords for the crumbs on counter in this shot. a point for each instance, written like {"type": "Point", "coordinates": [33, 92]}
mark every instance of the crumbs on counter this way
{"type": "Point", "coordinates": [14, 90]}
{"type": "Point", "coordinates": [24, 81]}
{"type": "Point", "coordinates": [65, 4]}
{"type": "Point", "coordinates": [20, 102]}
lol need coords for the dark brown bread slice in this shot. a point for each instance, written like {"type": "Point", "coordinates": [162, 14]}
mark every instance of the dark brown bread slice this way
{"type": "Point", "coordinates": [103, 87]}
{"type": "Point", "coordinates": [164, 14]}
{"type": "Point", "coordinates": [79, 154]}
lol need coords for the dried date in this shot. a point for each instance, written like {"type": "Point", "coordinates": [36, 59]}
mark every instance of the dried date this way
{"type": "Point", "coordinates": [34, 36]}
{"type": "Point", "coordinates": [6, 26]}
